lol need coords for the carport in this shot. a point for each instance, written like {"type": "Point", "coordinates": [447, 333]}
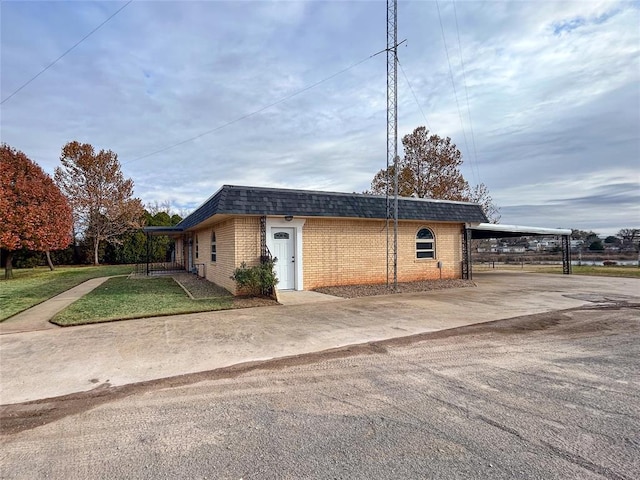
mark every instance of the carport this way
{"type": "Point", "coordinates": [491, 230]}
{"type": "Point", "coordinates": [147, 267]}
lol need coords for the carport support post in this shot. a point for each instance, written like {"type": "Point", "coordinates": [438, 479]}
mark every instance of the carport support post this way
{"type": "Point", "coordinates": [148, 253]}
{"type": "Point", "coordinates": [566, 255]}
{"type": "Point", "coordinates": [467, 272]}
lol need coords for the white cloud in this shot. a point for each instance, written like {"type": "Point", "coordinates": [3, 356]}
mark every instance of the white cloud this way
{"type": "Point", "coordinates": [552, 87]}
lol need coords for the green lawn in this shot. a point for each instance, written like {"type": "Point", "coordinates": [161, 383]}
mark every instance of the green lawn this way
{"type": "Point", "coordinates": [31, 286]}
{"type": "Point", "coordinates": [125, 298]}
{"type": "Point", "coordinates": [606, 271]}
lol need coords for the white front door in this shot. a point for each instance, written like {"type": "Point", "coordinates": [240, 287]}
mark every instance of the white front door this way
{"type": "Point", "coordinates": [284, 250]}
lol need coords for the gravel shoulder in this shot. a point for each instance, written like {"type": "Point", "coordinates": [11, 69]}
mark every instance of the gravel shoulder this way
{"type": "Point", "coordinates": [200, 288]}
{"type": "Point", "coordinates": [354, 291]}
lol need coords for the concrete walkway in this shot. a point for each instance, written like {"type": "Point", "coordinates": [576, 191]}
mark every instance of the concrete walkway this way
{"type": "Point", "coordinates": [302, 297]}
{"type": "Point", "coordinates": [47, 363]}
{"type": "Point", "coordinates": [37, 317]}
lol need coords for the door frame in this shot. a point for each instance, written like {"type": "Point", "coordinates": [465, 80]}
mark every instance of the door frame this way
{"type": "Point", "coordinates": [296, 224]}
{"type": "Point", "coordinates": [285, 267]}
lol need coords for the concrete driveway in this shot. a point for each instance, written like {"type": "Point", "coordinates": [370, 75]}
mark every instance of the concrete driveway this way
{"type": "Point", "coordinates": [552, 396]}
{"type": "Point", "coordinates": [48, 363]}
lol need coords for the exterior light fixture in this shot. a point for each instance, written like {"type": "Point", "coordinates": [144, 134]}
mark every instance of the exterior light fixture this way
{"type": "Point", "coordinates": [288, 218]}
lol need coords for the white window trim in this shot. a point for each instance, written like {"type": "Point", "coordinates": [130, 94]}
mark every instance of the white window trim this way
{"type": "Point", "coordinates": [213, 242]}
{"type": "Point", "coordinates": [296, 224]}
{"type": "Point", "coordinates": [432, 240]}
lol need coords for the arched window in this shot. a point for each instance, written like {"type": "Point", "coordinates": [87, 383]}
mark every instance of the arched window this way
{"type": "Point", "coordinates": [425, 244]}
{"type": "Point", "coordinates": [213, 246]}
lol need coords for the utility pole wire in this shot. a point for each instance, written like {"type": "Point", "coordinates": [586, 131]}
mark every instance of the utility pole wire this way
{"type": "Point", "coordinates": [255, 112]}
{"type": "Point", "coordinates": [65, 53]}
{"type": "Point", "coordinates": [414, 95]}
{"type": "Point", "coordinates": [466, 91]}
{"type": "Point", "coordinates": [453, 82]}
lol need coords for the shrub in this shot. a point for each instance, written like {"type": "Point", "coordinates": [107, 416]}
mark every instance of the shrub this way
{"type": "Point", "coordinates": [257, 280]}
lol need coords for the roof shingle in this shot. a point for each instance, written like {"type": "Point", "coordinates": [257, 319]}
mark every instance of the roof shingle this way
{"type": "Point", "coordinates": [239, 200]}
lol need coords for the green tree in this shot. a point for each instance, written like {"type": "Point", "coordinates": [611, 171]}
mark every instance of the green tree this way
{"type": "Point", "coordinates": [612, 240]}
{"type": "Point", "coordinates": [596, 245]}
{"type": "Point", "coordinates": [586, 237]}
{"type": "Point", "coordinates": [133, 248]}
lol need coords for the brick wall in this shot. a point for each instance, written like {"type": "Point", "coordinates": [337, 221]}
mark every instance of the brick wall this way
{"type": "Point", "coordinates": [219, 271]}
{"type": "Point", "coordinates": [237, 240]}
{"type": "Point", "coordinates": [247, 241]}
{"type": "Point", "coordinates": [247, 238]}
{"type": "Point", "coordinates": [344, 252]}
{"type": "Point", "coordinates": [335, 251]}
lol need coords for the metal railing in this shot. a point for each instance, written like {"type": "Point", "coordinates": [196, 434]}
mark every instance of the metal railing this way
{"type": "Point", "coordinates": [158, 268]}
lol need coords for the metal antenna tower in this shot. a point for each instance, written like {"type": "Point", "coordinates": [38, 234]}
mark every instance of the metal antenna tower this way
{"type": "Point", "coordinates": [392, 131]}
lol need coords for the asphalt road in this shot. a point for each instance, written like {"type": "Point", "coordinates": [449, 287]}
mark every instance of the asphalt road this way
{"type": "Point", "coordinates": [541, 397]}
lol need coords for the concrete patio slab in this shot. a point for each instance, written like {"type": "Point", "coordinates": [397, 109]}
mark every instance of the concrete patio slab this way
{"type": "Point", "coordinates": [47, 363]}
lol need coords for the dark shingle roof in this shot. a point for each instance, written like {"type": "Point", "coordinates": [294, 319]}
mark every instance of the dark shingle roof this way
{"type": "Point", "coordinates": [237, 200]}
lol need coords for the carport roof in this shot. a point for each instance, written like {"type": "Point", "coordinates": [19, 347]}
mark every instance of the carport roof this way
{"type": "Point", "coordinates": [161, 230]}
{"type": "Point", "coordinates": [493, 230]}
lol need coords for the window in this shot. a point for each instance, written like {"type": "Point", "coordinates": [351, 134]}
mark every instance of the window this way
{"type": "Point", "coordinates": [281, 236]}
{"type": "Point", "coordinates": [425, 244]}
{"type": "Point", "coordinates": [197, 246]}
{"type": "Point", "coordinates": [213, 246]}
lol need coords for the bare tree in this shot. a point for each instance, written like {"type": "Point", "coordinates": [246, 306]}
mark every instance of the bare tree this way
{"type": "Point", "coordinates": [628, 236]}
{"type": "Point", "coordinates": [101, 198]}
{"type": "Point", "coordinates": [480, 195]}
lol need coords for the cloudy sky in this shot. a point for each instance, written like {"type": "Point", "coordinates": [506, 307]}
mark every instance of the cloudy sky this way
{"type": "Point", "coordinates": [192, 95]}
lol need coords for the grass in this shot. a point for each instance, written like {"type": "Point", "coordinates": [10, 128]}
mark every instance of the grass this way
{"type": "Point", "coordinates": [603, 271]}
{"type": "Point", "coordinates": [125, 298]}
{"type": "Point", "coordinates": [31, 286]}
{"type": "Point", "coordinates": [627, 271]}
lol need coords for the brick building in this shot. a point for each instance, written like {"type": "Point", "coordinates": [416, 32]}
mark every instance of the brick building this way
{"type": "Point", "coordinates": [322, 238]}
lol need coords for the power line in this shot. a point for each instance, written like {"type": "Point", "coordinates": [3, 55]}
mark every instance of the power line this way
{"type": "Point", "coordinates": [466, 91]}
{"type": "Point", "coordinates": [453, 83]}
{"type": "Point", "coordinates": [255, 112]}
{"type": "Point", "coordinates": [65, 53]}
{"type": "Point", "coordinates": [414, 95]}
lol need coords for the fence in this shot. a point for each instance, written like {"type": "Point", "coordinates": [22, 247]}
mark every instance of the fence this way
{"type": "Point", "coordinates": [158, 268]}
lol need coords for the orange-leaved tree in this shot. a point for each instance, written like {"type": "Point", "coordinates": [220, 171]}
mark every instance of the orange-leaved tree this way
{"type": "Point", "coordinates": [34, 214]}
{"type": "Point", "coordinates": [430, 168]}
{"type": "Point", "coordinates": [101, 198]}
